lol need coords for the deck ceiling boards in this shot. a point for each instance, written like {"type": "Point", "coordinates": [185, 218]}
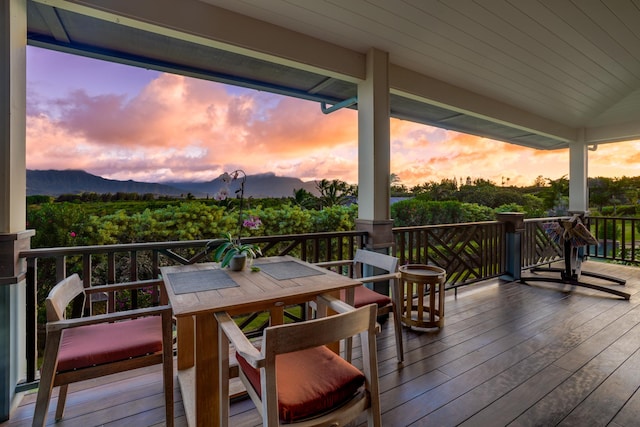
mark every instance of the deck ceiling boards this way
{"type": "Point", "coordinates": [101, 39]}
{"type": "Point", "coordinates": [573, 64]}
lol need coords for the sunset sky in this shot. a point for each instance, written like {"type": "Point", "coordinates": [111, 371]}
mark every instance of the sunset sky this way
{"type": "Point", "coordinates": [122, 122]}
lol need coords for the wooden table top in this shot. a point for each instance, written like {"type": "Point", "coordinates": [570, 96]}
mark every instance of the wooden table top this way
{"type": "Point", "coordinates": [200, 288]}
{"type": "Point", "coordinates": [422, 272]}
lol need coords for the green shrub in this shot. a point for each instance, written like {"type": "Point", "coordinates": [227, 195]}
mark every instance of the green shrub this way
{"type": "Point", "coordinates": [473, 212]}
{"type": "Point", "coordinates": [626, 210]}
{"type": "Point", "coordinates": [607, 210]}
{"type": "Point", "coordinates": [415, 212]}
{"type": "Point", "coordinates": [186, 221]}
{"type": "Point", "coordinates": [38, 200]}
{"type": "Point", "coordinates": [285, 219]}
{"type": "Point", "coordinates": [58, 224]}
{"type": "Point", "coordinates": [336, 218]}
{"type": "Point", "coordinates": [609, 231]}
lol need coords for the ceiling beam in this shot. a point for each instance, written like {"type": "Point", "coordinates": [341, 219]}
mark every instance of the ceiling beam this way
{"type": "Point", "coordinates": [613, 133]}
{"type": "Point", "coordinates": [201, 23]}
{"type": "Point", "coordinates": [53, 22]}
{"type": "Point", "coordinates": [410, 84]}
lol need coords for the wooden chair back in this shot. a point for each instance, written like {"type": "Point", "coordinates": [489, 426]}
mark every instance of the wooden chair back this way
{"type": "Point", "coordinates": [387, 263]}
{"type": "Point", "coordinates": [155, 336]}
{"type": "Point", "coordinates": [299, 336]}
{"type": "Point", "coordinates": [375, 259]}
{"type": "Point", "coordinates": [61, 296]}
{"type": "Point", "coordinates": [313, 333]}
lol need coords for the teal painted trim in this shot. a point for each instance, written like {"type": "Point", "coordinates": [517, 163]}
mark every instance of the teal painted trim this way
{"type": "Point", "coordinates": [346, 103]}
{"type": "Point", "coordinates": [6, 388]}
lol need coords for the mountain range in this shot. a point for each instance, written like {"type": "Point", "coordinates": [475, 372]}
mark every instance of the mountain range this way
{"type": "Point", "coordinates": [58, 182]}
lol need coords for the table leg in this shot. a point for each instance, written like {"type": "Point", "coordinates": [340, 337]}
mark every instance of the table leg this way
{"type": "Point", "coordinates": [432, 302]}
{"type": "Point", "coordinates": [223, 352]}
{"type": "Point", "coordinates": [323, 312]}
{"type": "Point", "coordinates": [349, 299]}
{"type": "Point", "coordinates": [420, 290]}
{"type": "Point", "coordinates": [276, 315]}
{"type": "Point", "coordinates": [441, 305]}
{"type": "Point", "coordinates": [350, 295]}
{"type": "Point", "coordinates": [207, 378]}
{"type": "Point", "coordinates": [406, 299]}
{"type": "Point", "coordinates": [184, 329]}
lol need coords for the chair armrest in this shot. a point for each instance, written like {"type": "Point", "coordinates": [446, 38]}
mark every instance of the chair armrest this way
{"type": "Point", "coordinates": [379, 278]}
{"type": "Point", "coordinates": [334, 303]}
{"type": "Point", "coordinates": [340, 306]}
{"type": "Point", "coordinates": [124, 286]}
{"type": "Point", "coordinates": [327, 264]}
{"type": "Point", "coordinates": [139, 284]}
{"type": "Point", "coordinates": [239, 340]}
{"type": "Point", "coordinates": [109, 317]}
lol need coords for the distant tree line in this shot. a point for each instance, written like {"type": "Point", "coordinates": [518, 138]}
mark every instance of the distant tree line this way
{"type": "Point", "coordinates": [546, 197]}
{"type": "Point", "coordinates": [110, 197]}
{"type": "Point", "coordinates": [92, 218]}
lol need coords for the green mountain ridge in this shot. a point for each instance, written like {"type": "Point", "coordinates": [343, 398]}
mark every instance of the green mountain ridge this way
{"type": "Point", "coordinates": [57, 182]}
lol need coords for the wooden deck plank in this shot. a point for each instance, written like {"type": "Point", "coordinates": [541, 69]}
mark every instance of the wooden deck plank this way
{"type": "Point", "coordinates": [608, 398]}
{"type": "Point", "coordinates": [556, 405]}
{"type": "Point", "coordinates": [464, 407]}
{"type": "Point", "coordinates": [463, 378]}
{"type": "Point", "coordinates": [509, 354]}
{"type": "Point", "coordinates": [504, 388]}
{"type": "Point", "coordinates": [630, 413]}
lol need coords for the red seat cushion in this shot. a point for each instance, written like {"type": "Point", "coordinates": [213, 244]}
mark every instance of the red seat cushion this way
{"type": "Point", "coordinates": [309, 382]}
{"type": "Point", "coordinates": [91, 345]}
{"type": "Point", "coordinates": [365, 296]}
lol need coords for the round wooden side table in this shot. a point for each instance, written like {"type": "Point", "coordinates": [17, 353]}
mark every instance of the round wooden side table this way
{"type": "Point", "coordinates": [419, 281]}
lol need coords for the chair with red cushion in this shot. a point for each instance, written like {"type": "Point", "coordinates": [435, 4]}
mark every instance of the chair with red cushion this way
{"type": "Point", "coordinates": [94, 346]}
{"type": "Point", "coordinates": [295, 379]}
{"type": "Point", "coordinates": [363, 295]}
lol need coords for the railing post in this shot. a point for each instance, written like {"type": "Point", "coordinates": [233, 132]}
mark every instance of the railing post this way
{"type": "Point", "coordinates": [514, 227]}
{"type": "Point", "coordinates": [32, 319]}
{"type": "Point", "coordinates": [13, 313]}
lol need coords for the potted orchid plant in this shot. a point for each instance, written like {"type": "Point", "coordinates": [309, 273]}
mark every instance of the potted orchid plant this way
{"type": "Point", "coordinates": [232, 252]}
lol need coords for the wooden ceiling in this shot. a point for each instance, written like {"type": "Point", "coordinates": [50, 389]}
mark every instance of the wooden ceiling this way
{"type": "Point", "coordinates": [539, 73]}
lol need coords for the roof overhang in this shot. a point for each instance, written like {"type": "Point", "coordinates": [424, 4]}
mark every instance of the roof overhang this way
{"type": "Point", "coordinates": [205, 41]}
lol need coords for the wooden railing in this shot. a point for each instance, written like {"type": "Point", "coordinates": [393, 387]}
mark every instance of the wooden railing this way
{"type": "Point", "coordinates": [537, 248]}
{"type": "Point", "coordinates": [469, 252]}
{"type": "Point", "coordinates": [618, 241]}
{"type": "Point", "coordinates": [98, 265]}
{"type": "Point", "coordinates": [617, 238]}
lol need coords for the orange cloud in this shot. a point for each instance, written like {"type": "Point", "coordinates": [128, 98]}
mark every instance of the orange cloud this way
{"type": "Point", "coordinates": [181, 128]}
{"type": "Point", "coordinates": [177, 128]}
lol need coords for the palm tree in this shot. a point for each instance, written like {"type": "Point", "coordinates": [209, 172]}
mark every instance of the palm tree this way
{"type": "Point", "coordinates": [335, 192]}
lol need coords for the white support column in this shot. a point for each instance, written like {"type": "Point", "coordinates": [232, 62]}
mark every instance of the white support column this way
{"type": "Point", "coordinates": [374, 151]}
{"type": "Point", "coordinates": [13, 237]}
{"type": "Point", "coordinates": [578, 175]}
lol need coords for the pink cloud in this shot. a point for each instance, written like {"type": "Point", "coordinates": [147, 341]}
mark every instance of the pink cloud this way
{"type": "Point", "coordinates": [180, 128]}
{"type": "Point", "coordinates": [177, 128]}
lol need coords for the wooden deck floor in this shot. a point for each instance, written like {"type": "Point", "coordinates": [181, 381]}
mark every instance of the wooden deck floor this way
{"type": "Point", "coordinates": [509, 354]}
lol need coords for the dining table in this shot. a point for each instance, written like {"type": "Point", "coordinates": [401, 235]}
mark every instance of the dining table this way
{"type": "Point", "coordinates": [197, 291]}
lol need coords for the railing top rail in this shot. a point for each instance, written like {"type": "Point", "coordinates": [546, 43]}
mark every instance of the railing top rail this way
{"type": "Point", "coordinates": [556, 218]}
{"type": "Point", "coordinates": [546, 219]}
{"type": "Point", "coordinates": [124, 247]}
{"type": "Point", "coordinates": [626, 218]}
{"type": "Point", "coordinates": [459, 225]}
{"type": "Point", "coordinates": [95, 249]}
{"type": "Point", "coordinates": [308, 236]}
